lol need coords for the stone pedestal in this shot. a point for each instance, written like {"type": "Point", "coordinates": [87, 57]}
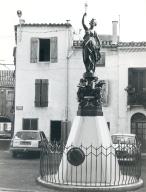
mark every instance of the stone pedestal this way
{"type": "Point", "coordinates": [88, 130]}
{"type": "Point", "coordinates": [89, 156]}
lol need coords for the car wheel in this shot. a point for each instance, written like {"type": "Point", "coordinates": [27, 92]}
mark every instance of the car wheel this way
{"type": "Point", "coordinates": [14, 154]}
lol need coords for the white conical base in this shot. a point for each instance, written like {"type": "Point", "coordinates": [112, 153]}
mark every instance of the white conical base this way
{"type": "Point", "coordinates": [87, 131]}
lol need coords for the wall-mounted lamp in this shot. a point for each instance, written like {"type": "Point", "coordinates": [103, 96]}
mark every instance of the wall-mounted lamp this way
{"type": "Point", "coordinates": [21, 21]}
{"type": "Point", "coordinates": [19, 13]}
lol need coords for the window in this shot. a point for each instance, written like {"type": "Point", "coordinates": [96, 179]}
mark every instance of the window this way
{"type": "Point", "coordinates": [30, 124]}
{"type": "Point", "coordinates": [28, 135]}
{"type": "Point", "coordinates": [138, 127]}
{"type": "Point", "coordinates": [41, 93]}
{"type": "Point", "coordinates": [137, 79]}
{"type": "Point", "coordinates": [44, 50]}
{"type": "Point", "coordinates": [136, 86]}
{"type": "Point", "coordinates": [101, 62]}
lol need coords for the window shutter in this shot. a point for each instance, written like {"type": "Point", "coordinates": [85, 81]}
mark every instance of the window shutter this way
{"type": "Point", "coordinates": [44, 93]}
{"type": "Point", "coordinates": [141, 81]}
{"type": "Point", "coordinates": [144, 82]}
{"type": "Point", "coordinates": [37, 92]}
{"type": "Point", "coordinates": [54, 49]}
{"type": "Point", "coordinates": [135, 79]}
{"type": "Point", "coordinates": [34, 124]}
{"type": "Point", "coordinates": [34, 50]}
{"type": "Point", "coordinates": [130, 76]}
{"type": "Point", "coordinates": [26, 124]}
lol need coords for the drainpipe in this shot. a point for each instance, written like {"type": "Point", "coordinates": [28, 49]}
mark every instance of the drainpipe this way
{"type": "Point", "coordinates": [67, 73]}
{"type": "Point", "coordinates": [69, 54]}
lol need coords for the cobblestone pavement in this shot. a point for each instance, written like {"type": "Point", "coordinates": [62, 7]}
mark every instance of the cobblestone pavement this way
{"type": "Point", "coordinates": [19, 175]}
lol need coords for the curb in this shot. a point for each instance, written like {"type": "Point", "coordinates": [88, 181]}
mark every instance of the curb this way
{"type": "Point", "coordinates": [120, 188]}
{"type": "Point", "coordinates": [18, 190]}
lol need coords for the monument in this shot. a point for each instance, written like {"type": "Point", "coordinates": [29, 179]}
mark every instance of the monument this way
{"type": "Point", "coordinates": [89, 127]}
{"type": "Point", "coordinates": [88, 161]}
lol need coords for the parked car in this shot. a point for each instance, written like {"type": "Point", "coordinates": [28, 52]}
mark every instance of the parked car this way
{"type": "Point", "coordinates": [27, 141]}
{"type": "Point", "coordinates": [5, 130]}
{"type": "Point", "coordinates": [5, 135]}
{"type": "Point", "coordinates": [126, 146]}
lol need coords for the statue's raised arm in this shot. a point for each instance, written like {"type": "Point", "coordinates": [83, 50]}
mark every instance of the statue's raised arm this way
{"type": "Point", "coordinates": [83, 22]}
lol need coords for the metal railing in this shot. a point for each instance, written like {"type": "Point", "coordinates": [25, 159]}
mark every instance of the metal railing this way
{"type": "Point", "coordinates": [137, 98]}
{"type": "Point", "coordinates": [90, 166]}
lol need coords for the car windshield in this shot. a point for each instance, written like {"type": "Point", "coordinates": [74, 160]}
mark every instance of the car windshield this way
{"type": "Point", "coordinates": [123, 139]}
{"type": "Point", "coordinates": [28, 135]}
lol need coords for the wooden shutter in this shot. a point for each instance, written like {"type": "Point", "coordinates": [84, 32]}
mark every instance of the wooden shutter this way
{"type": "Point", "coordinates": [44, 93]}
{"type": "Point", "coordinates": [136, 78]}
{"type": "Point", "coordinates": [37, 92]}
{"type": "Point", "coordinates": [54, 49]}
{"type": "Point", "coordinates": [130, 77]}
{"type": "Point", "coordinates": [34, 124]}
{"type": "Point", "coordinates": [26, 124]}
{"type": "Point", "coordinates": [144, 81]}
{"type": "Point", "coordinates": [141, 81]}
{"type": "Point", "coordinates": [34, 50]}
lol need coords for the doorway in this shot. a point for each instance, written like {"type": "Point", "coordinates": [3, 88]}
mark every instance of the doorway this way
{"type": "Point", "coordinates": [55, 131]}
{"type": "Point", "coordinates": [138, 127]}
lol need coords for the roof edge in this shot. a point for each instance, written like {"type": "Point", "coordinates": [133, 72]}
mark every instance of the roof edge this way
{"type": "Point", "coordinates": [44, 25]}
{"type": "Point", "coordinates": [67, 25]}
{"type": "Point", "coordinates": [77, 43]}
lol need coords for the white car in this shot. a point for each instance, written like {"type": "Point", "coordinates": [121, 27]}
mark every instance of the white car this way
{"type": "Point", "coordinates": [26, 141]}
{"type": "Point", "coordinates": [126, 146]}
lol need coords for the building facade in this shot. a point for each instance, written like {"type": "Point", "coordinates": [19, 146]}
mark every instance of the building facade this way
{"type": "Point", "coordinates": [7, 92]}
{"type": "Point", "coordinates": [49, 66]}
{"type": "Point", "coordinates": [41, 78]}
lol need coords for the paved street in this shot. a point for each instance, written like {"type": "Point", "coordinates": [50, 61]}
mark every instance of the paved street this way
{"type": "Point", "coordinates": [19, 175]}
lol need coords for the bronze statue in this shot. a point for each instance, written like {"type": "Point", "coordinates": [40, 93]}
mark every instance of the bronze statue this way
{"type": "Point", "coordinates": [91, 46]}
{"type": "Point", "coordinates": [89, 88]}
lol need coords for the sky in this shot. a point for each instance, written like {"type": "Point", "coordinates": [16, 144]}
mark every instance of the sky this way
{"type": "Point", "coordinates": [130, 13]}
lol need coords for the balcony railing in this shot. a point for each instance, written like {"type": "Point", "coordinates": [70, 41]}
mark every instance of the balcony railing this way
{"type": "Point", "coordinates": [137, 98]}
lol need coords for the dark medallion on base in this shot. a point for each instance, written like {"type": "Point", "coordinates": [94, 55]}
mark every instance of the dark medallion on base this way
{"type": "Point", "coordinates": [75, 156]}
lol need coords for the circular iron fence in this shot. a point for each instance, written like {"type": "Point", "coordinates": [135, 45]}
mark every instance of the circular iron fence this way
{"type": "Point", "coordinates": [90, 166]}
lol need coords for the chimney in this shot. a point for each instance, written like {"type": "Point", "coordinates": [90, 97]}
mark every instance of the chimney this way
{"type": "Point", "coordinates": [115, 32]}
